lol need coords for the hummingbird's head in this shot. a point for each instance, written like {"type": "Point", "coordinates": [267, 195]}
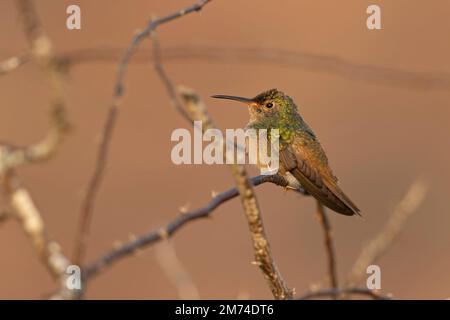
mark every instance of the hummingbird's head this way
{"type": "Point", "coordinates": [268, 105]}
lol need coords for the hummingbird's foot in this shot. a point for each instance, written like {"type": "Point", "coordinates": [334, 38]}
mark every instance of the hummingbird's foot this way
{"type": "Point", "coordinates": [298, 190]}
{"type": "Point", "coordinates": [287, 188]}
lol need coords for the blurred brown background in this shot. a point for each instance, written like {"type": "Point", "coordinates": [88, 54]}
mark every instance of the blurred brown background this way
{"type": "Point", "coordinates": [379, 139]}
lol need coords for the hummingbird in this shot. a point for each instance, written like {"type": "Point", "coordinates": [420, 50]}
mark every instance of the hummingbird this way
{"type": "Point", "coordinates": [303, 162]}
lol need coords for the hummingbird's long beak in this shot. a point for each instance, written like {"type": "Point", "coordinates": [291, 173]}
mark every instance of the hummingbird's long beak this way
{"type": "Point", "coordinates": [240, 99]}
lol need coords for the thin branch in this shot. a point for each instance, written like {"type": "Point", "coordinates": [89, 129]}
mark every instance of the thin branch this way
{"type": "Point", "coordinates": [311, 62]}
{"type": "Point", "coordinates": [178, 275]}
{"type": "Point", "coordinates": [329, 246]}
{"type": "Point", "coordinates": [28, 215]}
{"type": "Point", "coordinates": [384, 239]}
{"type": "Point", "coordinates": [263, 255]}
{"type": "Point", "coordinates": [20, 200]}
{"type": "Point", "coordinates": [169, 230]}
{"type": "Point", "coordinates": [12, 157]}
{"type": "Point", "coordinates": [96, 179]}
{"type": "Point", "coordinates": [335, 292]}
{"type": "Point", "coordinates": [87, 206]}
{"type": "Point", "coordinates": [165, 78]}
{"type": "Point", "coordinates": [42, 52]}
{"type": "Point", "coordinates": [153, 25]}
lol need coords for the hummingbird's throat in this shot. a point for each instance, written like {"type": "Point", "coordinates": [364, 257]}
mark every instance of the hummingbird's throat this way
{"type": "Point", "coordinates": [284, 128]}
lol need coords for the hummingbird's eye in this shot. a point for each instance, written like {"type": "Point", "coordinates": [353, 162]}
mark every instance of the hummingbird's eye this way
{"type": "Point", "coordinates": [269, 105]}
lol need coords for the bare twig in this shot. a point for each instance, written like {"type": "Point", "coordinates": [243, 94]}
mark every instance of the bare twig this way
{"type": "Point", "coordinates": [11, 157]}
{"type": "Point", "coordinates": [20, 200]}
{"type": "Point", "coordinates": [42, 52]}
{"type": "Point", "coordinates": [335, 292]}
{"type": "Point", "coordinates": [96, 179]}
{"type": "Point", "coordinates": [384, 239]}
{"type": "Point", "coordinates": [165, 78]}
{"type": "Point", "coordinates": [263, 255]}
{"type": "Point", "coordinates": [87, 206]}
{"type": "Point", "coordinates": [169, 230]}
{"type": "Point", "coordinates": [329, 247]}
{"type": "Point", "coordinates": [175, 271]}
{"type": "Point", "coordinates": [26, 212]}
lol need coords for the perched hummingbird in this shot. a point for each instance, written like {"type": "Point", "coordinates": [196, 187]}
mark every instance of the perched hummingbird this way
{"type": "Point", "coordinates": [303, 162]}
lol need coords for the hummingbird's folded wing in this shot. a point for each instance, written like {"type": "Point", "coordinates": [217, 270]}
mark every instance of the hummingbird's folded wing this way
{"type": "Point", "coordinates": [320, 183]}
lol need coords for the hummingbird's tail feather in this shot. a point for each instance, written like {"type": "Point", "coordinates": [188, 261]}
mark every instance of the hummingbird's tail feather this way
{"type": "Point", "coordinates": [329, 195]}
{"type": "Point", "coordinates": [319, 184]}
{"type": "Point", "coordinates": [349, 207]}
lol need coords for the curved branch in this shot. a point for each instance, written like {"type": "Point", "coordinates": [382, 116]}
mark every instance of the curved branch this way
{"type": "Point", "coordinates": [169, 230]}
{"type": "Point", "coordinates": [329, 247]}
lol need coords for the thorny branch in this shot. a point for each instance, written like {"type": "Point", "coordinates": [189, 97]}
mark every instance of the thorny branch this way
{"type": "Point", "coordinates": [169, 230]}
{"type": "Point", "coordinates": [263, 255]}
{"type": "Point", "coordinates": [94, 184]}
{"type": "Point", "coordinates": [329, 246]}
